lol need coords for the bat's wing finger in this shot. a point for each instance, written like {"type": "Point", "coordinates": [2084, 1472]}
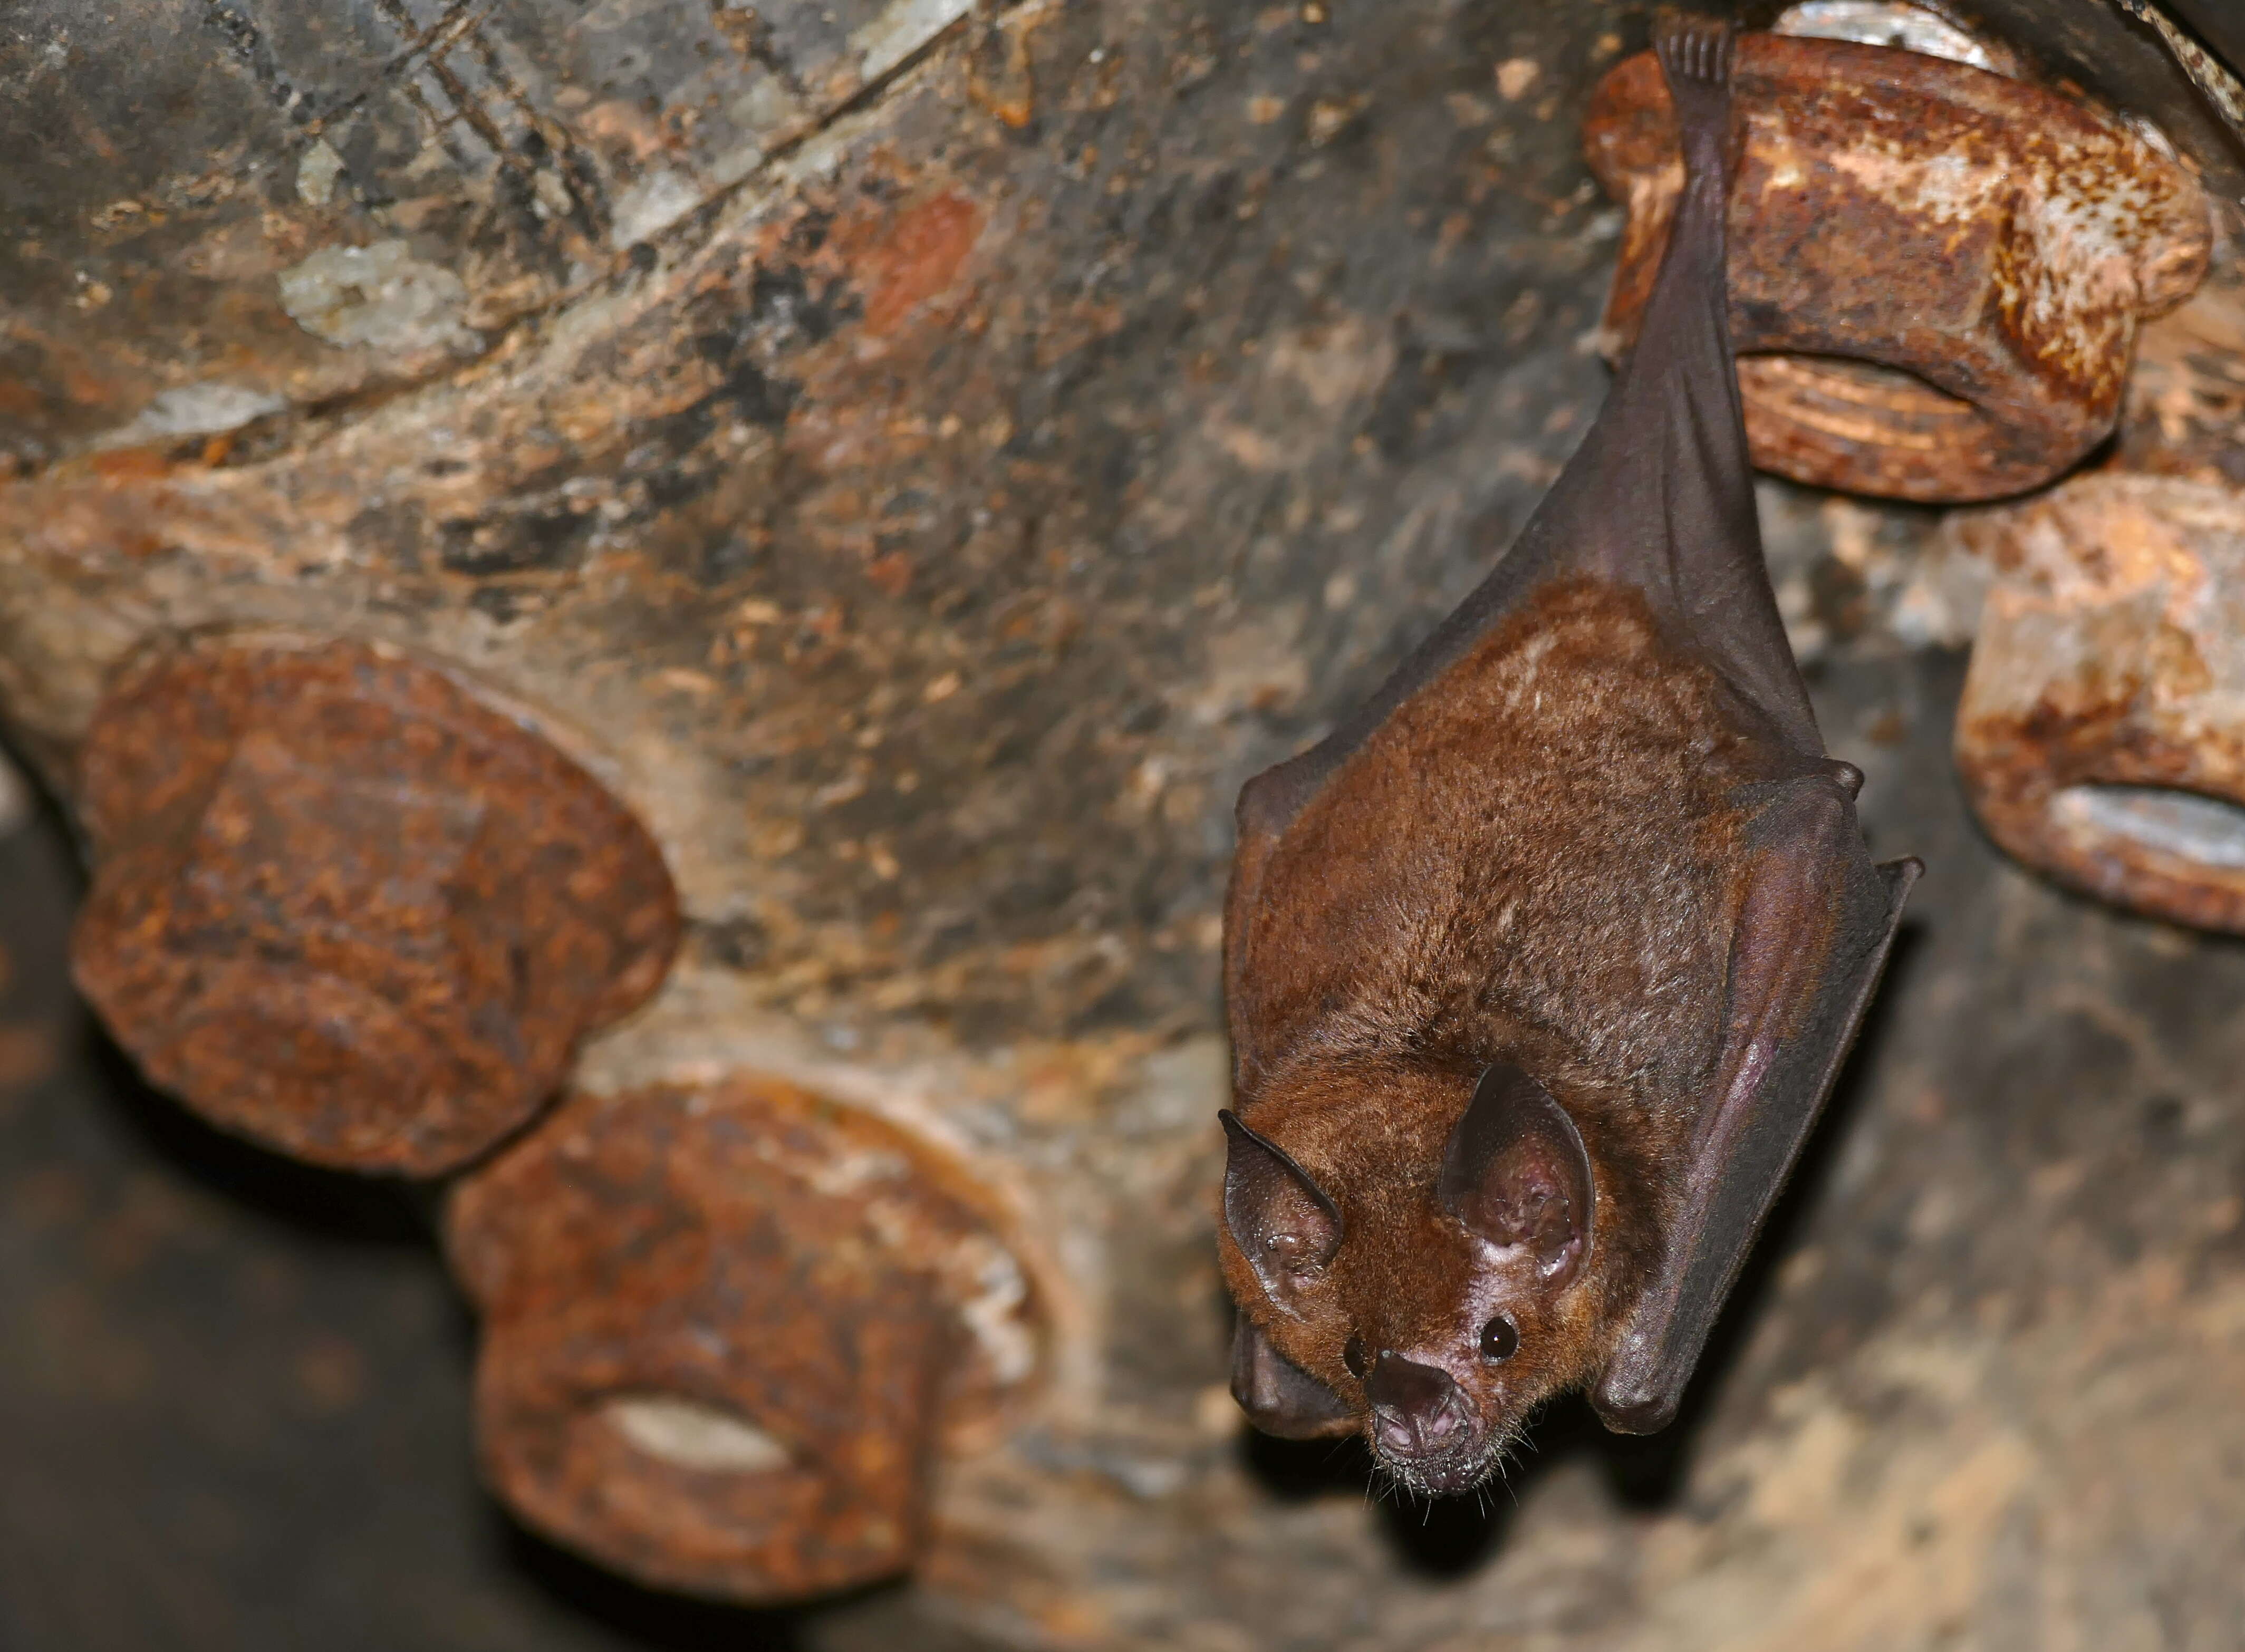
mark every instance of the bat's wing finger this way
{"type": "Point", "coordinates": [1813, 932]}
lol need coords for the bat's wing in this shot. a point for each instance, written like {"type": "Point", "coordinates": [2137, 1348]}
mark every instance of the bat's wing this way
{"type": "Point", "coordinates": [1660, 493]}
{"type": "Point", "coordinates": [1257, 828]}
{"type": "Point", "coordinates": [1814, 931]}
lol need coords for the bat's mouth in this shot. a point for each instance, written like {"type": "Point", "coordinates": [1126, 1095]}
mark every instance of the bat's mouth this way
{"type": "Point", "coordinates": [1425, 1428]}
{"type": "Point", "coordinates": [1447, 1473]}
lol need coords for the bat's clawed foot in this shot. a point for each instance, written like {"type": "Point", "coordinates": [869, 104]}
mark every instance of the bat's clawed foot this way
{"type": "Point", "coordinates": [1695, 54]}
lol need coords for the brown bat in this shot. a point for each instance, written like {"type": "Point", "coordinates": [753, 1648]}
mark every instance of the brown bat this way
{"type": "Point", "coordinates": [1540, 965]}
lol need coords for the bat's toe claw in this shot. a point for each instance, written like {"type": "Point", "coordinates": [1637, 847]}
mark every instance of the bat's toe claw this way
{"type": "Point", "coordinates": [1693, 51]}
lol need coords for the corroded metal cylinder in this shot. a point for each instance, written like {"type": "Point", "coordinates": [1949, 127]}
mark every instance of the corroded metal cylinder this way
{"type": "Point", "coordinates": [2102, 732]}
{"type": "Point", "coordinates": [1937, 272]}
{"type": "Point", "coordinates": [726, 1330]}
{"type": "Point", "coordinates": [345, 907]}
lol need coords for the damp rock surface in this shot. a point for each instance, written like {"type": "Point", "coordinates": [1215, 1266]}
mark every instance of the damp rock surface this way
{"type": "Point", "coordinates": [1040, 420]}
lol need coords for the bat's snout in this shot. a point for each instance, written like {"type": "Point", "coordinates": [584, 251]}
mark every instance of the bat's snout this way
{"type": "Point", "coordinates": [1418, 1411]}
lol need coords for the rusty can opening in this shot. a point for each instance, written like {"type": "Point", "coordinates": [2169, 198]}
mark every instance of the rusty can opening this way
{"type": "Point", "coordinates": [1934, 290]}
{"type": "Point", "coordinates": [685, 1492]}
{"type": "Point", "coordinates": [728, 1329]}
{"type": "Point", "coordinates": [1865, 426]}
{"type": "Point", "coordinates": [692, 1435]}
{"type": "Point", "coordinates": [2182, 825]}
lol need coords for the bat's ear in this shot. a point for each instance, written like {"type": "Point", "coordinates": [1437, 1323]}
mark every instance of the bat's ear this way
{"type": "Point", "coordinates": [1516, 1174]}
{"type": "Point", "coordinates": [1278, 1396]}
{"type": "Point", "coordinates": [1282, 1222]}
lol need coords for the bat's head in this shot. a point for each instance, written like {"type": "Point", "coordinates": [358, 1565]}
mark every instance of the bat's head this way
{"type": "Point", "coordinates": [1433, 1290]}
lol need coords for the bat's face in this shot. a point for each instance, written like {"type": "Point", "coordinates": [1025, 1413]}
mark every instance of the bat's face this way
{"type": "Point", "coordinates": [1429, 1289]}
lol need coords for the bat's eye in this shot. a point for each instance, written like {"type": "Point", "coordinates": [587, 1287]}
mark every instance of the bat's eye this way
{"type": "Point", "coordinates": [1351, 1355]}
{"type": "Point", "coordinates": [1499, 1339]}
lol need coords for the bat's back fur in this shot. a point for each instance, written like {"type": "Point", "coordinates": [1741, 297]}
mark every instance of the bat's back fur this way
{"type": "Point", "coordinates": [1527, 858]}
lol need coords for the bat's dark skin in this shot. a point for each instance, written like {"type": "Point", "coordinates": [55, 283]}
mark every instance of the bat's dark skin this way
{"type": "Point", "coordinates": [1540, 967]}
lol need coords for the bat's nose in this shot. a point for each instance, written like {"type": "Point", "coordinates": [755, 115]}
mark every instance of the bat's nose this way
{"type": "Point", "coordinates": [1416, 1410]}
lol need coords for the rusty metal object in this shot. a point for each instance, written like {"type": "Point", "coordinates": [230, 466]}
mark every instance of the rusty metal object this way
{"type": "Point", "coordinates": [345, 907]}
{"type": "Point", "coordinates": [1936, 272]}
{"type": "Point", "coordinates": [726, 1330]}
{"type": "Point", "coordinates": [2186, 405]}
{"type": "Point", "coordinates": [2102, 737]}
{"type": "Point", "coordinates": [1897, 23]}
{"type": "Point", "coordinates": [933, 537]}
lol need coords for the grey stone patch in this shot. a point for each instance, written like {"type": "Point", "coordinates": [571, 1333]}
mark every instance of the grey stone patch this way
{"type": "Point", "coordinates": [899, 31]}
{"type": "Point", "coordinates": [194, 410]}
{"type": "Point", "coordinates": [1857, 577]}
{"type": "Point", "coordinates": [1939, 604]}
{"type": "Point", "coordinates": [317, 174]}
{"type": "Point", "coordinates": [380, 296]}
{"type": "Point", "coordinates": [653, 205]}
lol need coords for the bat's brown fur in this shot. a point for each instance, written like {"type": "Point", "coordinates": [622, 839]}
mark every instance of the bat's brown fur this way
{"type": "Point", "coordinates": [1524, 861]}
{"type": "Point", "coordinates": [1541, 963]}
{"type": "Point", "coordinates": [1542, 838]}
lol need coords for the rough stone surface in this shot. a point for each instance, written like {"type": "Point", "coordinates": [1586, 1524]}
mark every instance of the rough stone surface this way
{"type": "Point", "coordinates": [924, 535]}
{"type": "Point", "coordinates": [248, 206]}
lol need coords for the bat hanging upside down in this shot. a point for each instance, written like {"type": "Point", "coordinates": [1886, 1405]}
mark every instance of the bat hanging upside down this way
{"type": "Point", "coordinates": [1540, 965]}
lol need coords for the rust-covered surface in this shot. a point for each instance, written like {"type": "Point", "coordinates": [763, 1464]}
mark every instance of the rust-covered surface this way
{"type": "Point", "coordinates": [2100, 736]}
{"type": "Point", "coordinates": [1936, 271]}
{"type": "Point", "coordinates": [922, 536]}
{"type": "Point", "coordinates": [346, 908]}
{"type": "Point", "coordinates": [2126, 61]}
{"type": "Point", "coordinates": [726, 1330]}
{"type": "Point", "coordinates": [2186, 408]}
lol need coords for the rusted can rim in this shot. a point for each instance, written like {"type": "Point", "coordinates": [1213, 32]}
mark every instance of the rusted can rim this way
{"type": "Point", "coordinates": [997, 1292]}
{"type": "Point", "coordinates": [2101, 733]}
{"type": "Point", "coordinates": [728, 1328]}
{"type": "Point", "coordinates": [2135, 823]}
{"type": "Point", "coordinates": [344, 905]}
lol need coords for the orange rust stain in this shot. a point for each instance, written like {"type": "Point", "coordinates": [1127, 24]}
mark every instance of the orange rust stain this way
{"type": "Point", "coordinates": [123, 463]}
{"type": "Point", "coordinates": [83, 387]}
{"type": "Point", "coordinates": [18, 398]}
{"type": "Point", "coordinates": [892, 573]}
{"type": "Point", "coordinates": [1000, 82]}
{"type": "Point", "coordinates": [904, 260]}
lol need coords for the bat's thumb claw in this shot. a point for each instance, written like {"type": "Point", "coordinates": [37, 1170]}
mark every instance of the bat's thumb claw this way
{"type": "Point", "coordinates": [1900, 875]}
